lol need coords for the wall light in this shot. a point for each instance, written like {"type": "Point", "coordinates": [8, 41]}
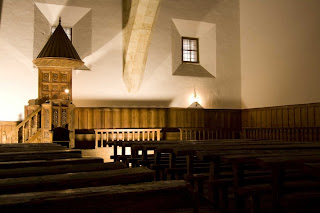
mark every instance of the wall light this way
{"type": "Point", "coordinates": [195, 98]}
{"type": "Point", "coordinates": [67, 92]}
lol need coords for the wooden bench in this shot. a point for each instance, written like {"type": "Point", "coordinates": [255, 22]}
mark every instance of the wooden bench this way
{"type": "Point", "coordinates": [112, 136]}
{"type": "Point", "coordinates": [51, 162]}
{"type": "Point", "coordinates": [28, 145]}
{"type": "Point", "coordinates": [141, 197]}
{"type": "Point", "coordinates": [39, 155]}
{"type": "Point", "coordinates": [30, 148]}
{"type": "Point", "coordinates": [75, 180]}
{"type": "Point", "coordinates": [59, 169]}
{"type": "Point", "coordinates": [255, 191]}
{"type": "Point", "coordinates": [278, 165]}
{"type": "Point", "coordinates": [214, 155]}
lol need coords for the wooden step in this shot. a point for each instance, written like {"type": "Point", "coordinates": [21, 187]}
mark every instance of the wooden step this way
{"type": "Point", "coordinates": [75, 180]}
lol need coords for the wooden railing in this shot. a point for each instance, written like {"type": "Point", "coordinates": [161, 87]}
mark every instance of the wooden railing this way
{"type": "Point", "coordinates": [208, 134]}
{"type": "Point", "coordinates": [126, 135]}
{"type": "Point", "coordinates": [286, 134]}
{"type": "Point", "coordinates": [26, 130]}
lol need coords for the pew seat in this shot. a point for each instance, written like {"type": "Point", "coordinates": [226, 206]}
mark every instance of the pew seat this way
{"type": "Point", "coordinates": [142, 197]}
{"type": "Point", "coordinates": [75, 180]}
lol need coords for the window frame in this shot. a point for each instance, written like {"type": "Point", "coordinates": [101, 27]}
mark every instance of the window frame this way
{"type": "Point", "coordinates": [197, 50]}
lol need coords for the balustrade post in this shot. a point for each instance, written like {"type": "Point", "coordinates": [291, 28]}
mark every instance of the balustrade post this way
{"type": "Point", "coordinates": [153, 135]}
{"type": "Point", "coordinates": [96, 139]}
{"type": "Point", "coordinates": [29, 129]}
{"type": "Point", "coordinates": [23, 134]}
{"type": "Point", "coordinates": [17, 136]}
{"type": "Point", "coordinates": [36, 124]}
{"type": "Point", "coordinates": [101, 139]}
{"type": "Point", "coordinates": [158, 135]}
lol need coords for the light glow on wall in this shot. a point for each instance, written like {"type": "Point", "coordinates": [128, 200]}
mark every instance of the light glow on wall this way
{"type": "Point", "coordinates": [194, 98]}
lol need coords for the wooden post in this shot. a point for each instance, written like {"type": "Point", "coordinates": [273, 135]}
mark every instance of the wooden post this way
{"type": "Point", "coordinates": [158, 135]}
{"type": "Point", "coordinates": [101, 139]}
{"type": "Point", "coordinates": [96, 139]}
{"type": "Point", "coordinates": [23, 134]}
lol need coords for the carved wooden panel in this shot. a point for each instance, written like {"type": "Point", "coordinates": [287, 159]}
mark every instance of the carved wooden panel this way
{"type": "Point", "coordinates": [53, 82]}
{"type": "Point", "coordinates": [5, 128]}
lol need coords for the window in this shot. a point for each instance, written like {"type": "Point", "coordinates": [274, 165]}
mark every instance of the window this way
{"type": "Point", "coordinates": [190, 50]}
{"type": "Point", "coordinates": [67, 30]}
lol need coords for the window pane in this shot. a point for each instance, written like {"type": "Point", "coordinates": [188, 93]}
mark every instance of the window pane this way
{"type": "Point", "coordinates": [190, 50]}
{"type": "Point", "coordinates": [186, 56]}
{"type": "Point", "coordinates": [193, 44]}
{"type": "Point", "coordinates": [186, 44]}
{"type": "Point", "coordinates": [185, 41]}
{"type": "Point", "coordinates": [194, 57]}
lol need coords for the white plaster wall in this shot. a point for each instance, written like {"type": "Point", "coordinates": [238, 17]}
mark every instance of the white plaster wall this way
{"type": "Point", "coordinates": [220, 92]}
{"type": "Point", "coordinates": [18, 78]}
{"type": "Point", "coordinates": [280, 46]}
{"type": "Point", "coordinates": [103, 85]}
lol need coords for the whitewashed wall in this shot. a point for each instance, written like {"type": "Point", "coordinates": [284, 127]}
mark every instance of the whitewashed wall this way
{"type": "Point", "coordinates": [280, 45]}
{"type": "Point", "coordinates": [102, 53]}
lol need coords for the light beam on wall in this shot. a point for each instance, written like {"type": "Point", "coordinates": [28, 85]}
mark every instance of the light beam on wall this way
{"type": "Point", "coordinates": [69, 14]}
{"type": "Point", "coordinates": [137, 37]}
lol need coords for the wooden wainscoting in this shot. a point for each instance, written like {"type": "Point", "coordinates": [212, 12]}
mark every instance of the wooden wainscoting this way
{"type": "Point", "coordinates": [293, 122]}
{"type": "Point", "coordinates": [104, 118]}
{"type": "Point", "coordinates": [169, 119]}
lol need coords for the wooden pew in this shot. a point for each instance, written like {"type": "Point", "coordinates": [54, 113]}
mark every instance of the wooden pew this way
{"type": "Point", "coordinates": [312, 169]}
{"type": "Point", "coordinates": [30, 148]}
{"type": "Point", "coordinates": [75, 180]}
{"type": "Point", "coordinates": [59, 169]}
{"type": "Point", "coordinates": [239, 160]}
{"type": "Point", "coordinates": [146, 146]}
{"type": "Point", "coordinates": [116, 136]}
{"type": "Point", "coordinates": [28, 144]}
{"type": "Point", "coordinates": [188, 148]}
{"type": "Point", "coordinates": [142, 197]}
{"type": "Point", "coordinates": [278, 165]}
{"type": "Point", "coordinates": [39, 155]}
{"type": "Point", "coordinates": [190, 151]}
{"type": "Point", "coordinates": [51, 162]}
